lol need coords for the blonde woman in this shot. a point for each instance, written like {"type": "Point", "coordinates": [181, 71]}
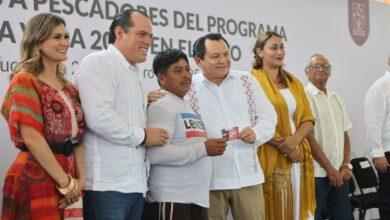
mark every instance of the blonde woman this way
{"type": "Point", "coordinates": [46, 124]}
{"type": "Point", "coordinates": [286, 160]}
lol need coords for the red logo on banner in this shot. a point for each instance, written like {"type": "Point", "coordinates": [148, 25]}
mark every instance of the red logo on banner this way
{"type": "Point", "coordinates": [359, 20]}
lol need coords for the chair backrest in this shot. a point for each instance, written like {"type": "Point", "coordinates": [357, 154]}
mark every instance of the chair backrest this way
{"type": "Point", "coordinates": [364, 173]}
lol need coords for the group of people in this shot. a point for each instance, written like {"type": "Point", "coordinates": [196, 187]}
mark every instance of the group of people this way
{"type": "Point", "coordinates": [196, 148]}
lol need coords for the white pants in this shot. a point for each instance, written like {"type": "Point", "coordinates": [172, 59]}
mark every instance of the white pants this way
{"type": "Point", "coordinates": [296, 187]}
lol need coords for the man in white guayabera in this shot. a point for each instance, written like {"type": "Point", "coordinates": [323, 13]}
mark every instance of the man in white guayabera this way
{"type": "Point", "coordinates": [377, 118]}
{"type": "Point", "coordinates": [114, 103]}
{"type": "Point", "coordinates": [330, 143]}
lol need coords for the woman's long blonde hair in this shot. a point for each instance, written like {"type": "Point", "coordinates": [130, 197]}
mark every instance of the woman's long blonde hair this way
{"type": "Point", "coordinates": [38, 29]}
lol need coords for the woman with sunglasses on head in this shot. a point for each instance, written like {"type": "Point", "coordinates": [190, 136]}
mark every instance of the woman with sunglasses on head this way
{"type": "Point", "coordinates": [46, 124]}
{"type": "Point", "coordinates": [289, 191]}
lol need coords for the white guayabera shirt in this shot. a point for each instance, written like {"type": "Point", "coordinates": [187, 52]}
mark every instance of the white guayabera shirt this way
{"type": "Point", "coordinates": [377, 116]}
{"type": "Point", "coordinates": [114, 104]}
{"type": "Point", "coordinates": [332, 121]}
{"type": "Point", "coordinates": [238, 101]}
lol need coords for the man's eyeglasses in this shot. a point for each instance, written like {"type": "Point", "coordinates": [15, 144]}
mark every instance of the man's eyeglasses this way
{"type": "Point", "coordinates": [317, 67]}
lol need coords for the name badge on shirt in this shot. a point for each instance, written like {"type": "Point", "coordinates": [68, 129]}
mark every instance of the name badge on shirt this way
{"type": "Point", "coordinates": [230, 134]}
{"type": "Point", "coordinates": [193, 125]}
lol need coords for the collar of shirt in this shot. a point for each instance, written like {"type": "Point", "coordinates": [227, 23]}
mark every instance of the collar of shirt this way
{"type": "Point", "coordinates": [315, 91]}
{"type": "Point", "coordinates": [387, 73]}
{"type": "Point", "coordinates": [171, 94]}
{"type": "Point", "coordinates": [202, 78]}
{"type": "Point", "coordinates": [122, 60]}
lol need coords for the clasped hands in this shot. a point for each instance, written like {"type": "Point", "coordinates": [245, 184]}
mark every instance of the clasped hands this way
{"type": "Point", "coordinates": [338, 177]}
{"type": "Point", "coordinates": [289, 146]}
{"type": "Point", "coordinates": [68, 200]}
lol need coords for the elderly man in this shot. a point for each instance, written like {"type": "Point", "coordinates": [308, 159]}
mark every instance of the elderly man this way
{"type": "Point", "coordinates": [114, 103]}
{"type": "Point", "coordinates": [330, 142]}
{"type": "Point", "coordinates": [377, 118]}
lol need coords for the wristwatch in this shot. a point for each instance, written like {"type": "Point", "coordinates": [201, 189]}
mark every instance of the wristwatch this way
{"type": "Point", "coordinates": [349, 165]}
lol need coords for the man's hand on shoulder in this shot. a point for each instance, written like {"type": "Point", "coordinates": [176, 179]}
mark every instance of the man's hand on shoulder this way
{"type": "Point", "coordinates": [155, 95]}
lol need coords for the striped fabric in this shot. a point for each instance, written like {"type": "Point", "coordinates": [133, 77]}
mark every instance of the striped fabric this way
{"type": "Point", "coordinates": [173, 211]}
{"type": "Point", "coordinates": [22, 105]}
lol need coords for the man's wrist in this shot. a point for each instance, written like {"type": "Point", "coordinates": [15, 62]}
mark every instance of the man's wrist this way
{"type": "Point", "coordinates": [330, 169]}
{"type": "Point", "coordinates": [347, 165]}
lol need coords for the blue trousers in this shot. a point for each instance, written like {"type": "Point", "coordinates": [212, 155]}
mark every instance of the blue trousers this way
{"type": "Point", "coordinates": [333, 200]}
{"type": "Point", "coordinates": [112, 205]}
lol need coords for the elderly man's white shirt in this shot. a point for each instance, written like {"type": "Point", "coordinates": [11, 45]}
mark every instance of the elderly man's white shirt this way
{"type": "Point", "coordinates": [332, 121]}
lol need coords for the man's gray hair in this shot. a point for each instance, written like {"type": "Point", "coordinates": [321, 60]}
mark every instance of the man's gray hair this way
{"type": "Point", "coordinates": [317, 55]}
